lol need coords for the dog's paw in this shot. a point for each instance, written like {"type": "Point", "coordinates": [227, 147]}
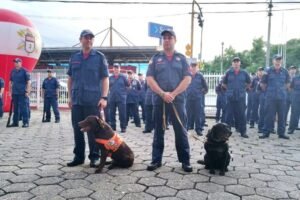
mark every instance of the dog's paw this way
{"type": "Point", "coordinates": [222, 173]}
{"type": "Point", "coordinates": [111, 166]}
{"type": "Point", "coordinates": [98, 171]}
{"type": "Point", "coordinates": [212, 171]}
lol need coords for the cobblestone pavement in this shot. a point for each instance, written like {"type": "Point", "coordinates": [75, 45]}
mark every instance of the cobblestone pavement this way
{"type": "Point", "coordinates": [33, 166]}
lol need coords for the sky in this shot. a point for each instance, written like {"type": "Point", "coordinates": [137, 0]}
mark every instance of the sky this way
{"type": "Point", "coordinates": [61, 23]}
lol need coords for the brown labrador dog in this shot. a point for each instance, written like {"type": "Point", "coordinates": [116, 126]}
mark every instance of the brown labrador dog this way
{"type": "Point", "coordinates": [111, 145]}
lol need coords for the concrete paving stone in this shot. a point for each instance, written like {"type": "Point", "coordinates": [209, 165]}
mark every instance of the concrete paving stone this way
{"type": "Point", "coordinates": [101, 186]}
{"type": "Point", "coordinates": [24, 178]}
{"type": "Point", "coordinates": [47, 190]}
{"type": "Point", "coordinates": [282, 167]}
{"type": "Point", "coordinates": [17, 196]}
{"type": "Point", "coordinates": [52, 172]}
{"type": "Point", "coordinates": [93, 178]}
{"type": "Point", "coordinates": [48, 198]}
{"type": "Point", "coordinates": [124, 179]}
{"type": "Point", "coordinates": [164, 169]}
{"type": "Point", "coordinates": [74, 175]}
{"type": "Point", "coordinates": [271, 193]}
{"type": "Point", "coordinates": [18, 187]}
{"type": "Point", "coordinates": [247, 169]}
{"type": "Point", "coordinates": [255, 197]}
{"type": "Point", "coordinates": [274, 172]}
{"type": "Point", "coordinates": [142, 174]}
{"type": "Point", "coordinates": [170, 175]}
{"type": "Point", "coordinates": [29, 165]}
{"type": "Point", "coordinates": [180, 185]}
{"type": "Point", "coordinates": [107, 195]}
{"type": "Point", "coordinates": [130, 188]}
{"type": "Point", "coordinates": [197, 178]}
{"type": "Point", "coordinates": [71, 184]}
{"type": "Point", "coordinates": [295, 194]}
{"type": "Point", "coordinates": [239, 190]}
{"type": "Point", "coordinates": [222, 196]}
{"type": "Point", "coordinates": [138, 196]}
{"type": "Point", "coordinates": [152, 181]}
{"type": "Point", "coordinates": [293, 173]}
{"type": "Point", "coordinates": [191, 195]}
{"type": "Point", "coordinates": [209, 187]}
{"type": "Point", "coordinates": [10, 168]}
{"type": "Point", "coordinates": [1, 193]}
{"type": "Point", "coordinates": [267, 161]}
{"type": "Point", "coordinates": [48, 181]}
{"type": "Point", "coordinates": [119, 172]}
{"type": "Point", "coordinates": [85, 198]}
{"type": "Point", "coordinates": [161, 191]}
{"type": "Point", "coordinates": [251, 182]}
{"type": "Point", "coordinates": [264, 177]}
{"type": "Point", "coordinates": [289, 179]}
{"type": "Point", "coordinates": [50, 167]}
{"type": "Point", "coordinates": [138, 167]}
{"type": "Point", "coordinates": [282, 185]}
{"type": "Point", "coordinates": [27, 171]}
{"type": "Point", "coordinates": [237, 174]}
{"type": "Point", "coordinates": [4, 183]}
{"type": "Point", "coordinates": [11, 163]}
{"type": "Point", "coordinates": [223, 180]}
{"type": "Point", "coordinates": [75, 193]}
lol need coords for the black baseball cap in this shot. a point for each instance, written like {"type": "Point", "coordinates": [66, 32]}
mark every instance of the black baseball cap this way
{"type": "Point", "coordinates": [86, 32]}
{"type": "Point", "coordinates": [49, 71]}
{"type": "Point", "coordinates": [171, 32]}
{"type": "Point", "coordinates": [293, 67]}
{"type": "Point", "coordinates": [129, 72]}
{"type": "Point", "coordinates": [140, 74]}
{"type": "Point", "coordinates": [260, 69]}
{"type": "Point", "coordinates": [277, 57]}
{"type": "Point", "coordinates": [16, 60]}
{"type": "Point", "coordinates": [236, 59]}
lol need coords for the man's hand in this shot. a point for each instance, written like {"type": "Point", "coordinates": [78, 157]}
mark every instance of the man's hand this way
{"type": "Point", "coordinates": [70, 103]}
{"type": "Point", "coordinates": [102, 103]}
{"type": "Point", "coordinates": [168, 97]}
{"type": "Point", "coordinates": [26, 94]}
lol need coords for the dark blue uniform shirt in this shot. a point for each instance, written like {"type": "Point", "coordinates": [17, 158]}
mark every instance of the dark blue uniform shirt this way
{"type": "Point", "coordinates": [1, 83]}
{"type": "Point", "coordinates": [50, 85]}
{"type": "Point", "coordinates": [236, 84]}
{"type": "Point", "coordinates": [168, 74]}
{"type": "Point", "coordinates": [133, 91]}
{"type": "Point", "coordinates": [86, 74]}
{"type": "Point", "coordinates": [198, 87]}
{"type": "Point", "coordinates": [118, 88]}
{"type": "Point", "coordinates": [295, 86]}
{"type": "Point", "coordinates": [19, 79]}
{"type": "Point", "coordinates": [276, 83]}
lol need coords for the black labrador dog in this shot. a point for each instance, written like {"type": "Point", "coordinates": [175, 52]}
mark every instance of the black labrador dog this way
{"type": "Point", "coordinates": [217, 150]}
{"type": "Point", "coordinates": [110, 143]}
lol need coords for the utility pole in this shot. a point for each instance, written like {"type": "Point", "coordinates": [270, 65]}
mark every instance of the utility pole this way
{"type": "Point", "coordinates": [200, 22]}
{"type": "Point", "coordinates": [222, 57]}
{"type": "Point", "coordinates": [192, 28]}
{"type": "Point", "coordinates": [110, 33]}
{"type": "Point", "coordinates": [269, 35]}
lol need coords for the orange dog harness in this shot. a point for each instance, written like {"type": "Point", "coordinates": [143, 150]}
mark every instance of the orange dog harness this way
{"type": "Point", "coordinates": [111, 144]}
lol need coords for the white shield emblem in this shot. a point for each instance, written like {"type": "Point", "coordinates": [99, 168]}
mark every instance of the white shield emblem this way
{"type": "Point", "coordinates": [29, 43]}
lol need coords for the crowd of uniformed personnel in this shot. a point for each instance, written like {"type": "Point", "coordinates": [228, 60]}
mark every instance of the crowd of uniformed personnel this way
{"type": "Point", "coordinates": [172, 93]}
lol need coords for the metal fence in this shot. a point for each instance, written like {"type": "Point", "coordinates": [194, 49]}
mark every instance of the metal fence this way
{"type": "Point", "coordinates": [37, 78]}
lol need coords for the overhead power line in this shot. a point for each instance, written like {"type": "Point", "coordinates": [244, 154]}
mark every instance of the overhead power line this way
{"type": "Point", "coordinates": [161, 3]}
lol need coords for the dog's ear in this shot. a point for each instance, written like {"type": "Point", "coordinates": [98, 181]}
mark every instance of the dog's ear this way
{"type": "Point", "coordinates": [100, 122]}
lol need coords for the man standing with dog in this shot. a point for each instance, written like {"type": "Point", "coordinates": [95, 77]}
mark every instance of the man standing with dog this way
{"type": "Point", "coordinates": [236, 81]}
{"type": "Point", "coordinates": [168, 76]}
{"type": "Point", "coordinates": [88, 85]}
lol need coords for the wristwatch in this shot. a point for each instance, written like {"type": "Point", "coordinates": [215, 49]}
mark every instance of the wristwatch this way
{"type": "Point", "coordinates": [105, 98]}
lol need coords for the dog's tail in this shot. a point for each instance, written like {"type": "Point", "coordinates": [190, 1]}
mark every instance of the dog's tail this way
{"type": "Point", "coordinates": [201, 162]}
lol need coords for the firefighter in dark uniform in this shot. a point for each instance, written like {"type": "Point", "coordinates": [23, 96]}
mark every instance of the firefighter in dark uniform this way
{"type": "Point", "coordinates": [295, 108]}
{"type": "Point", "coordinates": [221, 102]}
{"type": "Point", "coordinates": [168, 76]}
{"type": "Point", "coordinates": [195, 95]}
{"type": "Point", "coordinates": [249, 101]}
{"type": "Point", "coordinates": [149, 123]}
{"type": "Point", "coordinates": [292, 73]}
{"type": "Point", "coordinates": [50, 90]}
{"type": "Point", "coordinates": [1, 96]}
{"type": "Point", "coordinates": [275, 82]}
{"type": "Point", "coordinates": [236, 81]}
{"type": "Point", "coordinates": [133, 99]}
{"type": "Point", "coordinates": [142, 94]}
{"type": "Point", "coordinates": [255, 97]}
{"type": "Point", "coordinates": [118, 84]}
{"type": "Point", "coordinates": [88, 85]}
{"type": "Point", "coordinates": [20, 90]}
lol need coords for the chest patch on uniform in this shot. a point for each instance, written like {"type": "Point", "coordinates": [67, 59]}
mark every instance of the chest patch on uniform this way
{"type": "Point", "coordinates": [111, 144]}
{"type": "Point", "coordinates": [177, 58]}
